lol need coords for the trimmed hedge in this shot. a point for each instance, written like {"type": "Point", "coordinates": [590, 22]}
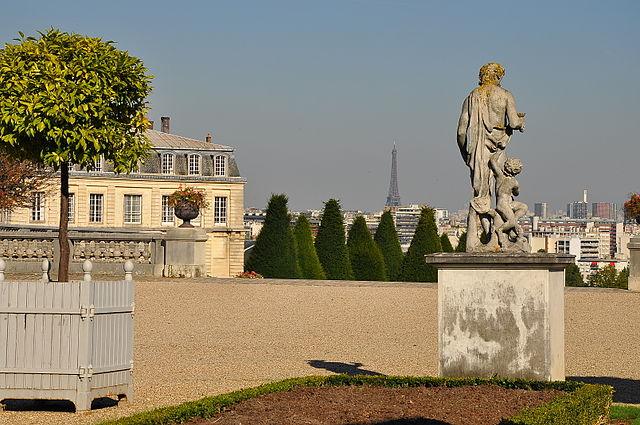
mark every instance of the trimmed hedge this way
{"type": "Point", "coordinates": [584, 401]}
{"type": "Point", "coordinates": [588, 405]}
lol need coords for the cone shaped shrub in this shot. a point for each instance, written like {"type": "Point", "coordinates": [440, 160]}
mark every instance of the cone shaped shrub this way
{"type": "Point", "coordinates": [462, 243]}
{"type": "Point", "coordinates": [330, 243]}
{"type": "Point", "coordinates": [367, 262]}
{"type": "Point", "coordinates": [274, 254]}
{"type": "Point", "coordinates": [445, 243]}
{"type": "Point", "coordinates": [386, 238]}
{"type": "Point", "coordinates": [572, 276]}
{"type": "Point", "coordinates": [308, 261]}
{"type": "Point", "coordinates": [425, 241]}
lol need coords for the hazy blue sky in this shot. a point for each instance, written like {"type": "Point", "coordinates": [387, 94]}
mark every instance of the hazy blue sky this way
{"type": "Point", "coordinates": [313, 93]}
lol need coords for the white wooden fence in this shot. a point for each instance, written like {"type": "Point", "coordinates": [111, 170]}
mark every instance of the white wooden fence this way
{"type": "Point", "coordinates": [66, 341]}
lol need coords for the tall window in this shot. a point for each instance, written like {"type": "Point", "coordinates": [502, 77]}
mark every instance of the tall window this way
{"type": "Point", "coordinates": [220, 210]}
{"type": "Point", "coordinates": [133, 209]}
{"type": "Point", "coordinates": [5, 215]}
{"type": "Point", "coordinates": [96, 201]}
{"type": "Point", "coordinates": [97, 165]}
{"type": "Point", "coordinates": [167, 211]}
{"type": "Point", "coordinates": [37, 207]}
{"type": "Point", "coordinates": [220, 165]}
{"type": "Point", "coordinates": [194, 164]}
{"type": "Point", "coordinates": [167, 163]}
{"type": "Point", "coordinates": [72, 207]}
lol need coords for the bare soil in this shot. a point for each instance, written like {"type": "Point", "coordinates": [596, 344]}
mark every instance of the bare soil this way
{"type": "Point", "coordinates": [484, 404]}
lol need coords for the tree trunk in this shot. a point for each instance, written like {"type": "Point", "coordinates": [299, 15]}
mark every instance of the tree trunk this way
{"type": "Point", "coordinates": [63, 234]}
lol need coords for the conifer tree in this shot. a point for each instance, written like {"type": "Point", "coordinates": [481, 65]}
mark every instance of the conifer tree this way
{"type": "Point", "coordinates": [308, 261]}
{"type": "Point", "coordinates": [425, 241]}
{"type": "Point", "coordinates": [445, 243]}
{"type": "Point", "coordinates": [330, 243]}
{"type": "Point", "coordinates": [462, 243]}
{"type": "Point", "coordinates": [366, 259]}
{"type": "Point", "coordinates": [274, 254]}
{"type": "Point", "coordinates": [572, 276]}
{"type": "Point", "coordinates": [386, 238]}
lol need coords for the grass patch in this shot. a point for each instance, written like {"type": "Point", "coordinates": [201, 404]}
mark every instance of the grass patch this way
{"type": "Point", "coordinates": [628, 413]}
{"type": "Point", "coordinates": [578, 394]}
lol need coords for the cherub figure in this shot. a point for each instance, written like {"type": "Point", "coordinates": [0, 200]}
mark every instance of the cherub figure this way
{"type": "Point", "coordinates": [509, 209]}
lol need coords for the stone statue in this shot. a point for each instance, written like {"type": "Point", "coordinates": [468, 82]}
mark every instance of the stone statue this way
{"type": "Point", "coordinates": [487, 121]}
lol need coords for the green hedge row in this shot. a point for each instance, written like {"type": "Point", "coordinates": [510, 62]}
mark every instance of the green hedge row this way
{"type": "Point", "coordinates": [584, 400]}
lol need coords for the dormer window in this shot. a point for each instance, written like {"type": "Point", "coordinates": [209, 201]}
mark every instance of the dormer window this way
{"type": "Point", "coordinates": [194, 164]}
{"type": "Point", "coordinates": [220, 166]}
{"type": "Point", "coordinates": [97, 165]}
{"type": "Point", "coordinates": [167, 163]}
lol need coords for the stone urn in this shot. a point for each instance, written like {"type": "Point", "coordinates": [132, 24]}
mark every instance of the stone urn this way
{"type": "Point", "coordinates": [186, 211]}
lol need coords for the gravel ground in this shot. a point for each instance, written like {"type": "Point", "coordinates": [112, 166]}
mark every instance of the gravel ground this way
{"type": "Point", "coordinates": [201, 337]}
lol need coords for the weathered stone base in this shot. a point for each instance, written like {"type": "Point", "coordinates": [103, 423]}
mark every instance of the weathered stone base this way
{"type": "Point", "coordinates": [501, 314]}
{"type": "Point", "coordinates": [184, 252]}
{"type": "Point", "coordinates": [634, 264]}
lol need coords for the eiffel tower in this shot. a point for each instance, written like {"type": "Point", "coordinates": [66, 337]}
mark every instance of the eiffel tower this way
{"type": "Point", "coordinates": [393, 199]}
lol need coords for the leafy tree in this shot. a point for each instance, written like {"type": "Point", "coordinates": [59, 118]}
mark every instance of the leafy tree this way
{"type": "Point", "coordinates": [367, 262]}
{"type": "Point", "coordinates": [66, 98]}
{"type": "Point", "coordinates": [386, 238]}
{"type": "Point", "coordinates": [445, 243]}
{"type": "Point", "coordinates": [462, 243]}
{"type": "Point", "coordinates": [572, 276]}
{"type": "Point", "coordinates": [622, 281]}
{"type": "Point", "coordinates": [19, 180]}
{"type": "Point", "coordinates": [308, 261]}
{"type": "Point", "coordinates": [274, 254]}
{"type": "Point", "coordinates": [330, 243]}
{"type": "Point", "coordinates": [604, 278]}
{"type": "Point", "coordinates": [425, 241]}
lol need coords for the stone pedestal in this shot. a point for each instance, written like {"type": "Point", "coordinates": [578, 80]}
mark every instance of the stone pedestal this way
{"type": "Point", "coordinates": [185, 252]}
{"type": "Point", "coordinates": [501, 314]}
{"type": "Point", "coordinates": [634, 264]}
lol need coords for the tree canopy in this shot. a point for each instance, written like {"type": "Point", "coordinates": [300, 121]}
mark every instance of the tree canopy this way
{"type": "Point", "coordinates": [274, 254]}
{"type": "Point", "coordinates": [445, 243]}
{"type": "Point", "coordinates": [308, 261]}
{"type": "Point", "coordinates": [330, 243]}
{"type": "Point", "coordinates": [71, 99]}
{"type": "Point", "coordinates": [425, 241]}
{"type": "Point", "coordinates": [19, 180]}
{"type": "Point", "coordinates": [386, 238]}
{"type": "Point", "coordinates": [367, 262]}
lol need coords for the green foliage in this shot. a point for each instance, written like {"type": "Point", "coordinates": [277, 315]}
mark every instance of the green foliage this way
{"type": "Point", "coordinates": [587, 405]}
{"type": "Point", "coordinates": [572, 276]}
{"type": "Point", "coordinates": [622, 281]}
{"type": "Point", "coordinates": [331, 245]}
{"type": "Point", "coordinates": [274, 254]}
{"type": "Point", "coordinates": [425, 241]}
{"type": "Point", "coordinates": [607, 277]}
{"type": "Point", "coordinates": [626, 413]}
{"type": "Point", "coordinates": [70, 98]}
{"type": "Point", "coordinates": [386, 238]}
{"type": "Point", "coordinates": [462, 243]}
{"type": "Point", "coordinates": [367, 262]}
{"type": "Point", "coordinates": [445, 243]}
{"type": "Point", "coordinates": [207, 407]}
{"type": "Point", "coordinates": [308, 261]}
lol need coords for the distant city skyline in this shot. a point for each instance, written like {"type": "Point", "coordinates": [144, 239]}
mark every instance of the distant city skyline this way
{"type": "Point", "coordinates": [313, 94]}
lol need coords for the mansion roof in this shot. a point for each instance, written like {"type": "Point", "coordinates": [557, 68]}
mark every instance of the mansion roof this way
{"type": "Point", "coordinates": [162, 140]}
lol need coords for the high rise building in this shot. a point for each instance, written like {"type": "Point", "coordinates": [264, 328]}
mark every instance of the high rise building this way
{"type": "Point", "coordinates": [606, 210]}
{"type": "Point", "coordinates": [580, 209]}
{"type": "Point", "coordinates": [393, 198]}
{"type": "Point", "coordinates": [540, 209]}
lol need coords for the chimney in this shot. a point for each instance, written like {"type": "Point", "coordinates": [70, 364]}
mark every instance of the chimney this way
{"type": "Point", "coordinates": [150, 125]}
{"type": "Point", "coordinates": [165, 127]}
{"type": "Point", "coordinates": [209, 138]}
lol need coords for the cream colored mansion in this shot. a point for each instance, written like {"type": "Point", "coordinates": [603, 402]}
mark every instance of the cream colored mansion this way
{"type": "Point", "coordinates": [102, 199]}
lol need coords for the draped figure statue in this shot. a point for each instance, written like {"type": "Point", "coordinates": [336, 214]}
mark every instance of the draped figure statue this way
{"type": "Point", "coordinates": [487, 121]}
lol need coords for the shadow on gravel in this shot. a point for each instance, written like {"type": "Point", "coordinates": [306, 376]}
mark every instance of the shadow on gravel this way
{"type": "Point", "coordinates": [346, 368]}
{"type": "Point", "coordinates": [409, 421]}
{"type": "Point", "coordinates": [54, 405]}
{"type": "Point", "coordinates": [626, 390]}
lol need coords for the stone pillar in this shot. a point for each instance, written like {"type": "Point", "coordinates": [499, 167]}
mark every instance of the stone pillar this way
{"type": "Point", "coordinates": [185, 252]}
{"type": "Point", "coordinates": [501, 314]}
{"type": "Point", "coordinates": [634, 264]}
